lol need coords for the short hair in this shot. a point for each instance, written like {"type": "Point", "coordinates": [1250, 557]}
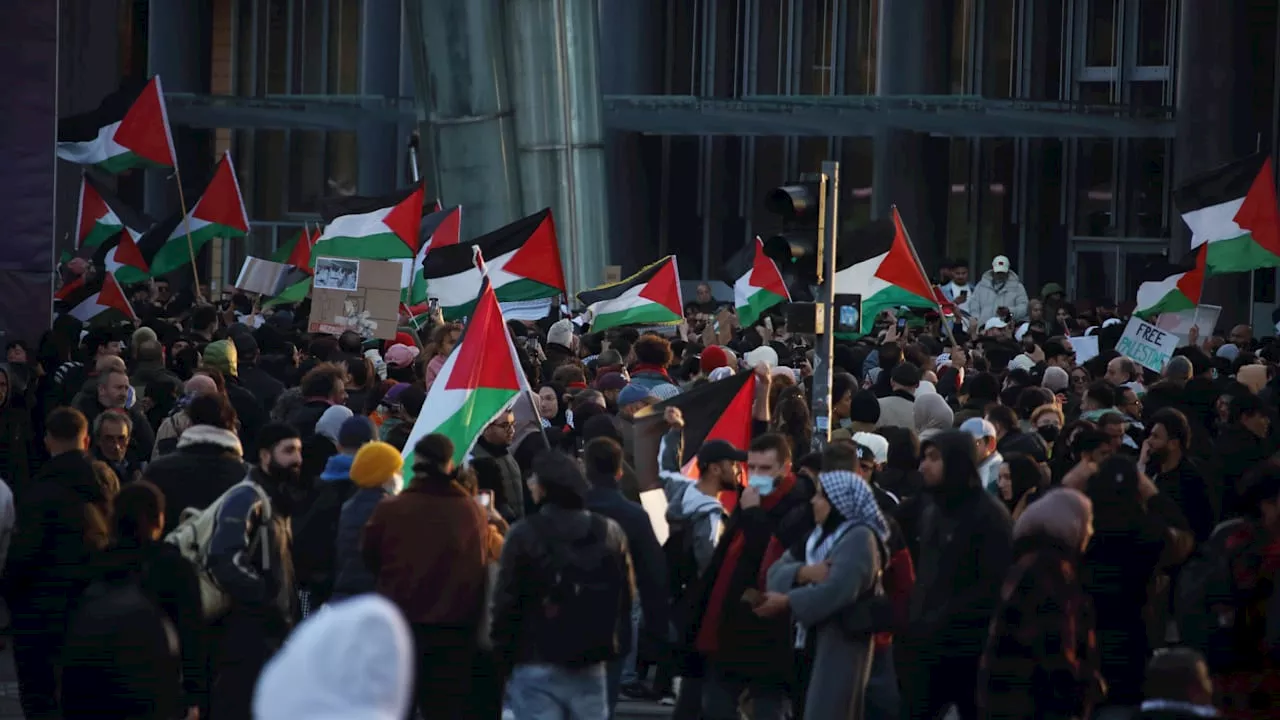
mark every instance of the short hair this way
{"type": "Point", "coordinates": [1173, 672]}
{"type": "Point", "coordinates": [323, 348]}
{"type": "Point", "coordinates": [203, 316]}
{"type": "Point", "coordinates": [433, 451]}
{"type": "Point", "coordinates": [1032, 398]}
{"type": "Point", "coordinates": [112, 416]}
{"type": "Point", "coordinates": [1111, 418]}
{"type": "Point", "coordinates": [359, 369]}
{"type": "Point", "coordinates": [150, 351]}
{"type": "Point", "coordinates": [321, 380]}
{"type": "Point", "coordinates": [105, 376]}
{"type": "Point", "coordinates": [558, 476]}
{"type": "Point", "coordinates": [66, 424]}
{"type": "Point", "coordinates": [108, 481]}
{"type": "Point", "coordinates": [603, 455]}
{"type": "Point", "coordinates": [905, 374]}
{"type": "Point", "coordinates": [273, 434]}
{"type": "Point", "coordinates": [212, 410]}
{"type": "Point", "coordinates": [609, 358]}
{"type": "Point", "coordinates": [137, 510]}
{"type": "Point", "coordinates": [1102, 393]}
{"type": "Point", "coordinates": [1129, 367]}
{"type": "Point", "coordinates": [653, 350]}
{"type": "Point", "coordinates": [1180, 368]}
{"type": "Point", "coordinates": [1002, 416]}
{"type": "Point", "coordinates": [840, 456]}
{"type": "Point", "coordinates": [1200, 361]}
{"type": "Point", "coordinates": [981, 388]}
{"type": "Point", "coordinates": [890, 355]}
{"type": "Point", "coordinates": [350, 342]}
{"type": "Point", "coordinates": [1245, 404]}
{"type": "Point", "coordinates": [16, 344]}
{"type": "Point", "coordinates": [96, 339]}
{"type": "Point", "coordinates": [1175, 425]}
{"type": "Point", "coordinates": [569, 373]}
{"type": "Point", "coordinates": [775, 442]}
{"type": "Point", "coordinates": [1090, 439]}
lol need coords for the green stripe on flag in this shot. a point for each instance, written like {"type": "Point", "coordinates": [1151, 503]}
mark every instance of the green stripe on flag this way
{"type": "Point", "coordinates": [1239, 254]}
{"type": "Point", "coordinates": [516, 291]}
{"type": "Point", "coordinates": [757, 303]}
{"type": "Point", "coordinates": [464, 426]}
{"type": "Point", "coordinates": [649, 313]}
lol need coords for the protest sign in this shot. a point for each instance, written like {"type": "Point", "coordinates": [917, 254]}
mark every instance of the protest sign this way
{"type": "Point", "coordinates": [356, 294]}
{"type": "Point", "coordinates": [1086, 347]}
{"type": "Point", "coordinates": [1180, 323]}
{"type": "Point", "coordinates": [1146, 344]}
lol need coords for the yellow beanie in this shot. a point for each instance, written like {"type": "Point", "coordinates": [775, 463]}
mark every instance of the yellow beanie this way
{"type": "Point", "coordinates": [375, 464]}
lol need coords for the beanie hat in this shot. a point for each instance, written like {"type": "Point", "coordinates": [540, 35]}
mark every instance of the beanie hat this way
{"type": "Point", "coordinates": [561, 333]}
{"type": "Point", "coordinates": [375, 464]}
{"type": "Point", "coordinates": [611, 381]}
{"type": "Point", "coordinates": [665, 391]}
{"type": "Point", "coordinates": [712, 358]}
{"type": "Point", "coordinates": [330, 423]}
{"type": "Point", "coordinates": [355, 432]}
{"type": "Point", "coordinates": [762, 355]}
{"type": "Point", "coordinates": [864, 407]}
{"type": "Point", "coordinates": [221, 356]}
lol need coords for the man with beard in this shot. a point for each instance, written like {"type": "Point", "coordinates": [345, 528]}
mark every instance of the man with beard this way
{"type": "Point", "coordinates": [1166, 461]}
{"type": "Point", "coordinates": [250, 558]}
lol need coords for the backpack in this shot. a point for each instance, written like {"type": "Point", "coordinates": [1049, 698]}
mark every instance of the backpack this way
{"type": "Point", "coordinates": [582, 585]}
{"type": "Point", "coordinates": [193, 535]}
{"type": "Point", "coordinates": [682, 563]}
{"type": "Point", "coordinates": [1205, 600]}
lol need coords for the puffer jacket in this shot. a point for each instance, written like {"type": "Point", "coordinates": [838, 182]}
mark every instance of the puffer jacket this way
{"type": "Point", "coordinates": [988, 297]}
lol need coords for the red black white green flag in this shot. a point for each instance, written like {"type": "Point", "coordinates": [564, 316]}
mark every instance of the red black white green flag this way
{"type": "Point", "coordinates": [129, 129]}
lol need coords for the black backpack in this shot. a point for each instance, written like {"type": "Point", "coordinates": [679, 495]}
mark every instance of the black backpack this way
{"type": "Point", "coordinates": [582, 586]}
{"type": "Point", "coordinates": [1205, 598]}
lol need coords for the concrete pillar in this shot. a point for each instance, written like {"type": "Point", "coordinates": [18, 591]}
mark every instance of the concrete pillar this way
{"type": "Point", "coordinates": [379, 144]}
{"type": "Point", "coordinates": [462, 83]}
{"type": "Point", "coordinates": [554, 71]}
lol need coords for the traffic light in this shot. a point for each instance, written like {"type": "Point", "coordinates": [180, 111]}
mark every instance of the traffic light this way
{"type": "Point", "coordinates": [795, 249]}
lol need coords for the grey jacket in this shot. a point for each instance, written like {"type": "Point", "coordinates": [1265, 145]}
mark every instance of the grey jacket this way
{"type": "Point", "coordinates": [841, 665]}
{"type": "Point", "coordinates": [897, 411]}
{"type": "Point", "coordinates": [687, 507]}
{"type": "Point", "coordinates": [988, 297]}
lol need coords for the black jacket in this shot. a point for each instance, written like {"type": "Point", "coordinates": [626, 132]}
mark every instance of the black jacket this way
{"type": "Point", "coordinates": [206, 463]}
{"type": "Point", "coordinates": [1194, 491]}
{"type": "Point", "coordinates": [258, 580]}
{"type": "Point", "coordinates": [649, 563]}
{"type": "Point", "coordinates": [1030, 444]}
{"type": "Point", "coordinates": [1236, 452]}
{"type": "Point", "coordinates": [264, 387]}
{"type": "Point", "coordinates": [964, 535]}
{"type": "Point", "coordinates": [304, 417]}
{"type": "Point", "coordinates": [250, 410]}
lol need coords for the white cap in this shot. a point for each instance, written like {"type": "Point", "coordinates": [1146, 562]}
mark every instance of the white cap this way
{"type": "Point", "coordinates": [1110, 321]}
{"type": "Point", "coordinates": [995, 322]}
{"type": "Point", "coordinates": [978, 428]}
{"type": "Point", "coordinates": [1000, 264]}
{"type": "Point", "coordinates": [763, 354]}
{"type": "Point", "coordinates": [1022, 330]}
{"type": "Point", "coordinates": [877, 444]}
{"type": "Point", "coordinates": [1022, 362]}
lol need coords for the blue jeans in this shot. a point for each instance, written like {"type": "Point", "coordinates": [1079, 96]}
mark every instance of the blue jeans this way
{"type": "Point", "coordinates": [552, 692]}
{"type": "Point", "coordinates": [883, 700]}
{"type": "Point", "coordinates": [629, 663]}
{"type": "Point", "coordinates": [720, 696]}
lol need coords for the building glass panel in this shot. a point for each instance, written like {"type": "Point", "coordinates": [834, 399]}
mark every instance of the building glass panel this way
{"type": "Point", "coordinates": [1101, 21]}
{"type": "Point", "coordinates": [999, 71]}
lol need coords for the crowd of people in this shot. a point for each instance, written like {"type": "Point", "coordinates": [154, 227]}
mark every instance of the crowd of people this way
{"type": "Point", "coordinates": [205, 514]}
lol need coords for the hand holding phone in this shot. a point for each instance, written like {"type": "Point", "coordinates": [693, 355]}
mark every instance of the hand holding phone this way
{"type": "Point", "coordinates": [485, 498]}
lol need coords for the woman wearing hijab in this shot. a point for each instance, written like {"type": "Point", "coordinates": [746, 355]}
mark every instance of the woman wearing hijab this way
{"type": "Point", "coordinates": [823, 582]}
{"type": "Point", "coordinates": [1041, 659]}
{"type": "Point", "coordinates": [932, 415]}
{"type": "Point", "coordinates": [1020, 482]}
{"type": "Point", "coordinates": [552, 405]}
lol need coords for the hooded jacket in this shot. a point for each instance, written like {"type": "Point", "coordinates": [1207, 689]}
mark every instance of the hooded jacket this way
{"type": "Point", "coordinates": [314, 551]}
{"type": "Point", "coordinates": [259, 580]}
{"type": "Point", "coordinates": [207, 462]}
{"type": "Point", "coordinates": [17, 451]}
{"type": "Point", "coordinates": [701, 516]}
{"type": "Point", "coordinates": [988, 296]}
{"type": "Point", "coordinates": [965, 547]}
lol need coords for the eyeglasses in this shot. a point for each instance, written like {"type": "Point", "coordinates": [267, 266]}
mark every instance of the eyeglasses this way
{"type": "Point", "coordinates": [504, 425]}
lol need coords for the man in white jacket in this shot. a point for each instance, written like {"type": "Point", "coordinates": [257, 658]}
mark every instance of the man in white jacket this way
{"type": "Point", "coordinates": [1000, 291]}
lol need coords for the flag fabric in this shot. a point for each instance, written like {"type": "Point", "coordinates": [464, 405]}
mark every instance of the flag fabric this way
{"type": "Point", "coordinates": [523, 261]}
{"type": "Point", "coordinates": [879, 264]}
{"type": "Point", "coordinates": [650, 297]}
{"type": "Point", "coordinates": [439, 229]}
{"type": "Point", "coordinates": [295, 293]}
{"type": "Point", "coordinates": [122, 257]}
{"type": "Point", "coordinates": [69, 289]}
{"type": "Point", "coordinates": [297, 250]}
{"type": "Point", "coordinates": [101, 215]}
{"type": "Point", "coordinates": [219, 212]}
{"type": "Point", "coordinates": [129, 129]}
{"type": "Point", "coordinates": [371, 228]}
{"type": "Point", "coordinates": [479, 381]}
{"type": "Point", "coordinates": [1232, 209]}
{"type": "Point", "coordinates": [1176, 292]}
{"type": "Point", "coordinates": [759, 289]}
{"type": "Point", "coordinates": [101, 302]}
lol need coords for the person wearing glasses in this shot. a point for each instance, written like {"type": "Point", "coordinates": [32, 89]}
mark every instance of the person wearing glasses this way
{"type": "Point", "coordinates": [496, 468]}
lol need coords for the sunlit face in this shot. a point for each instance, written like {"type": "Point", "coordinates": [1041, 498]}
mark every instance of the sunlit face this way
{"type": "Point", "coordinates": [501, 431]}
{"type": "Point", "coordinates": [1048, 419]}
{"type": "Point", "coordinates": [931, 466]}
{"type": "Point", "coordinates": [113, 439]}
{"type": "Point", "coordinates": [114, 390]}
{"type": "Point", "coordinates": [1005, 481]}
{"type": "Point", "coordinates": [764, 463]}
{"type": "Point", "coordinates": [960, 275]}
{"type": "Point", "coordinates": [548, 403]}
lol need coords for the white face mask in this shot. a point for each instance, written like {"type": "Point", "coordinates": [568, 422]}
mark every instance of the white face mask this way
{"type": "Point", "coordinates": [762, 483]}
{"type": "Point", "coordinates": [846, 423]}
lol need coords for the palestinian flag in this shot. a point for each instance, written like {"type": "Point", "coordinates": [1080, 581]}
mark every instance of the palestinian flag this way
{"type": "Point", "coordinates": [129, 129]}
{"type": "Point", "coordinates": [1179, 291]}
{"type": "Point", "coordinates": [880, 265]}
{"type": "Point", "coordinates": [523, 260]}
{"type": "Point", "coordinates": [759, 289]}
{"type": "Point", "coordinates": [1232, 209]}
{"type": "Point", "coordinates": [371, 228]}
{"type": "Point", "coordinates": [218, 213]}
{"type": "Point", "coordinates": [122, 258]}
{"type": "Point", "coordinates": [479, 381]}
{"type": "Point", "coordinates": [101, 215]}
{"type": "Point", "coordinates": [650, 297]}
{"type": "Point", "coordinates": [439, 229]}
{"type": "Point", "coordinates": [292, 294]}
{"type": "Point", "coordinates": [297, 251]}
{"type": "Point", "coordinates": [719, 410]}
{"type": "Point", "coordinates": [102, 302]}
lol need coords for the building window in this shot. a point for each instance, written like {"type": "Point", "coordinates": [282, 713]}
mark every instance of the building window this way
{"type": "Point", "coordinates": [959, 235]}
{"type": "Point", "coordinates": [1095, 187]}
{"type": "Point", "coordinates": [1100, 33]}
{"type": "Point", "coordinates": [344, 47]}
{"type": "Point", "coordinates": [1154, 32]}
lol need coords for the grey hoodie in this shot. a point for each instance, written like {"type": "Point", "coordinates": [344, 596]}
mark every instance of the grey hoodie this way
{"type": "Point", "coordinates": [988, 296]}
{"type": "Point", "coordinates": [687, 506]}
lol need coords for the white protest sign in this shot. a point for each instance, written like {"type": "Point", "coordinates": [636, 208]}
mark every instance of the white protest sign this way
{"type": "Point", "coordinates": [1181, 322]}
{"type": "Point", "coordinates": [1147, 345]}
{"type": "Point", "coordinates": [1086, 348]}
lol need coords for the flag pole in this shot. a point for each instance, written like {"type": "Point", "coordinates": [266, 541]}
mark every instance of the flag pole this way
{"type": "Point", "coordinates": [186, 220]}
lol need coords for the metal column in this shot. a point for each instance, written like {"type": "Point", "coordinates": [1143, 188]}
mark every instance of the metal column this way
{"type": "Point", "coordinates": [828, 225]}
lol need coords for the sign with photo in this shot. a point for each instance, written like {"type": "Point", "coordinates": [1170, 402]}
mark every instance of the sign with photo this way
{"type": "Point", "coordinates": [358, 295]}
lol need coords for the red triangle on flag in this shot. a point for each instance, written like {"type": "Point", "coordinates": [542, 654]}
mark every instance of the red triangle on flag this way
{"type": "Point", "coordinates": [69, 289]}
{"type": "Point", "coordinates": [539, 258]}
{"type": "Point", "coordinates": [734, 426]}
{"type": "Point", "coordinates": [300, 256]}
{"type": "Point", "coordinates": [447, 232]}
{"type": "Point", "coordinates": [128, 253]}
{"type": "Point", "coordinates": [144, 130]}
{"type": "Point", "coordinates": [900, 267]}
{"type": "Point", "coordinates": [664, 288]}
{"type": "Point", "coordinates": [1192, 281]}
{"type": "Point", "coordinates": [483, 358]}
{"type": "Point", "coordinates": [112, 295]}
{"type": "Point", "coordinates": [406, 218]}
{"type": "Point", "coordinates": [1258, 214]}
{"type": "Point", "coordinates": [92, 207]}
{"type": "Point", "coordinates": [221, 203]}
{"type": "Point", "coordinates": [765, 275]}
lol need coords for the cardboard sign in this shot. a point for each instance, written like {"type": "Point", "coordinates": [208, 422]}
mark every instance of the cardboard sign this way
{"type": "Point", "coordinates": [372, 308]}
{"type": "Point", "coordinates": [1147, 345]}
{"type": "Point", "coordinates": [1180, 323]}
{"type": "Point", "coordinates": [612, 274]}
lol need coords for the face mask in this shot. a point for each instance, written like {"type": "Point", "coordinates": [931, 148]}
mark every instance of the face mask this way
{"type": "Point", "coordinates": [762, 483]}
{"type": "Point", "coordinates": [846, 423]}
{"type": "Point", "coordinates": [1049, 433]}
